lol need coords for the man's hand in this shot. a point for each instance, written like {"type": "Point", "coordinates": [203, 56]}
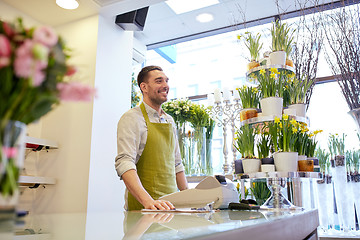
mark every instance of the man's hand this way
{"type": "Point", "coordinates": [159, 205]}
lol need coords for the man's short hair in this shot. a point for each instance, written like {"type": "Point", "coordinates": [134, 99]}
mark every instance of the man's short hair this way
{"type": "Point", "coordinates": [144, 73]}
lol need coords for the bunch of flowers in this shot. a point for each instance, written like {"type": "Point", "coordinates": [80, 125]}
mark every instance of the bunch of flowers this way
{"type": "Point", "coordinates": [270, 82]}
{"type": "Point", "coordinates": [180, 110]}
{"type": "Point", "coordinates": [250, 96]}
{"type": "Point", "coordinates": [283, 133]}
{"type": "Point", "coordinates": [312, 143]}
{"type": "Point", "coordinates": [297, 88]}
{"type": "Point", "coordinates": [34, 73]}
{"type": "Point", "coordinates": [34, 78]}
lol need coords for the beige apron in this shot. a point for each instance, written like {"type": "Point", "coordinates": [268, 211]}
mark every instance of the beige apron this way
{"type": "Point", "coordinates": [156, 166]}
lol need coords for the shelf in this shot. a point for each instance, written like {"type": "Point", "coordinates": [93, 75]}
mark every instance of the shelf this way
{"type": "Point", "coordinates": [35, 180]}
{"type": "Point", "coordinates": [35, 143]}
{"type": "Point", "coordinates": [35, 236]}
{"type": "Point", "coordinates": [277, 174]}
{"type": "Point", "coordinates": [285, 67]}
{"type": "Point", "coordinates": [271, 118]}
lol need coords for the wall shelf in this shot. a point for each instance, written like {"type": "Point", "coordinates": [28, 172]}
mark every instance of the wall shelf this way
{"type": "Point", "coordinates": [271, 118]}
{"type": "Point", "coordinates": [35, 181]}
{"type": "Point", "coordinates": [37, 143]}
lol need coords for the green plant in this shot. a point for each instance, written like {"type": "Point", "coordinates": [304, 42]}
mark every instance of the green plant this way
{"type": "Point", "coordinates": [283, 133]}
{"type": "Point", "coordinates": [253, 44]}
{"type": "Point", "coordinates": [336, 145]}
{"type": "Point", "coordinates": [263, 145]}
{"type": "Point", "coordinates": [245, 141]}
{"type": "Point", "coordinates": [281, 36]}
{"type": "Point", "coordinates": [260, 191]}
{"type": "Point", "coordinates": [311, 143]}
{"type": "Point", "coordinates": [324, 161]}
{"type": "Point", "coordinates": [250, 96]}
{"type": "Point", "coordinates": [270, 82]}
{"type": "Point", "coordinates": [297, 88]}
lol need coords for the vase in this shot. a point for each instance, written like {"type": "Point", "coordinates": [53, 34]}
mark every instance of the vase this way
{"type": "Point", "coordinates": [278, 58]}
{"type": "Point", "coordinates": [248, 113]}
{"type": "Point", "coordinates": [271, 106]}
{"type": "Point", "coordinates": [286, 161]}
{"type": "Point", "coordinates": [300, 109]}
{"type": "Point", "coordinates": [208, 162]}
{"type": "Point", "coordinates": [355, 113]}
{"type": "Point", "coordinates": [251, 165]}
{"type": "Point", "coordinates": [181, 135]}
{"type": "Point", "coordinates": [12, 149]}
{"type": "Point", "coordinates": [199, 155]}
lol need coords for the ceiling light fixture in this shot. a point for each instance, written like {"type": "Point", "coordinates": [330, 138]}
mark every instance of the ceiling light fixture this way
{"type": "Point", "coordinates": [67, 4]}
{"type": "Point", "coordinates": [205, 17]}
{"type": "Point", "coordinates": [183, 6]}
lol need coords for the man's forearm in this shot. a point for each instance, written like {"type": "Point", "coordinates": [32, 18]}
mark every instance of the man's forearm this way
{"type": "Point", "coordinates": [133, 184]}
{"type": "Point", "coordinates": [181, 181]}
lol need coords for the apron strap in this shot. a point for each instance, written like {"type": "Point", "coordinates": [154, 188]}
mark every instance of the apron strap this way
{"type": "Point", "coordinates": [143, 110]}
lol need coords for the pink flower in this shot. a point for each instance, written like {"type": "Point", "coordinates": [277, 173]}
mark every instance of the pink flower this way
{"type": "Point", "coordinates": [7, 29]}
{"type": "Point", "coordinates": [10, 152]}
{"type": "Point", "coordinates": [26, 66]}
{"type": "Point", "coordinates": [46, 36]}
{"type": "Point", "coordinates": [75, 92]}
{"type": "Point", "coordinates": [5, 51]}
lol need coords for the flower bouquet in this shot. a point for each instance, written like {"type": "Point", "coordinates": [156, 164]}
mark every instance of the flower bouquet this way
{"type": "Point", "coordinates": [34, 78]}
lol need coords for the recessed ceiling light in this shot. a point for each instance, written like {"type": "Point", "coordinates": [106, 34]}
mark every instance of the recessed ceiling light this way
{"type": "Point", "coordinates": [67, 4]}
{"type": "Point", "coordinates": [205, 17]}
{"type": "Point", "coordinates": [183, 6]}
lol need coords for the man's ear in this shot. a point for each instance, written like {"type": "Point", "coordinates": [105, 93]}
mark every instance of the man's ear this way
{"type": "Point", "coordinates": [143, 86]}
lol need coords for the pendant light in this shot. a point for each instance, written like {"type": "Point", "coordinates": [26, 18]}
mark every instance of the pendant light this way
{"type": "Point", "coordinates": [67, 4]}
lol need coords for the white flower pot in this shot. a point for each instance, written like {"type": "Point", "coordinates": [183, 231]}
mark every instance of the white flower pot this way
{"type": "Point", "coordinates": [300, 109]}
{"type": "Point", "coordinates": [278, 58]}
{"type": "Point", "coordinates": [271, 106]}
{"type": "Point", "coordinates": [268, 168]}
{"type": "Point", "coordinates": [286, 161]}
{"type": "Point", "coordinates": [302, 157]}
{"type": "Point", "coordinates": [251, 165]}
{"type": "Point", "coordinates": [290, 111]}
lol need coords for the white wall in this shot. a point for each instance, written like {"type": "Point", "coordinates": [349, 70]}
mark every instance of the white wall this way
{"type": "Point", "coordinates": [113, 80]}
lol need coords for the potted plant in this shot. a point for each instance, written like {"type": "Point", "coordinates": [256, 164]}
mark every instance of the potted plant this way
{"type": "Point", "coordinates": [245, 144]}
{"type": "Point", "coordinates": [250, 99]}
{"type": "Point", "coordinates": [263, 148]}
{"type": "Point", "coordinates": [297, 89]}
{"type": "Point", "coordinates": [271, 91]}
{"type": "Point", "coordinates": [279, 33]}
{"type": "Point", "coordinates": [253, 44]}
{"type": "Point", "coordinates": [283, 137]}
{"type": "Point", "coordinates": [311, 147]}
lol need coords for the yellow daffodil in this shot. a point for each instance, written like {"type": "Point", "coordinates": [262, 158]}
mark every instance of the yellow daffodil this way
{"type": "Point", "coordinates": [294, 130]}
{"type": "Point", "coordinates": [273, 75]}
{"type": "Point", "coordinates": [274, 70]}
{"type": "Point", "coordinates": [285, 117]}
{"type": "Point", "coordinates": [280, 125]}
{"type": "Point", "coordinates": [238, 37]}
{"type": "Point", "coordinates": [293, 122]}
{"type": "Point", "coordinates": [277, 120]}
{"type": "Point", "coordinates": [262, 71]}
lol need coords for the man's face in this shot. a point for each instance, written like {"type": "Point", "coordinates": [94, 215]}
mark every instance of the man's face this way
{"type": "Point", "coordinates": [156, 87]}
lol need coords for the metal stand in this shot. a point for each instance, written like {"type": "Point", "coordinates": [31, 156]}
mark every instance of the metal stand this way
{"type": "Point", "coordinates": [227, 114]}
{"type": "Point", "coordinates": [277, 201]}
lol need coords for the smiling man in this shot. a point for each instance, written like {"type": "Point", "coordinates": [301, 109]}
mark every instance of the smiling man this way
{"type": "Point", "coordinates": [148, 159]}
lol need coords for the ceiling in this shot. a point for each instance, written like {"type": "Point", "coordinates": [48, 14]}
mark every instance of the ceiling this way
{"type": "Point", "coordinates": [162, 25]}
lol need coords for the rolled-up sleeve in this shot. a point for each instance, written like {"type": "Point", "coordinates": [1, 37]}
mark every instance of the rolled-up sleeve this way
{"type": "Point", "coordinates": [128, 141]}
